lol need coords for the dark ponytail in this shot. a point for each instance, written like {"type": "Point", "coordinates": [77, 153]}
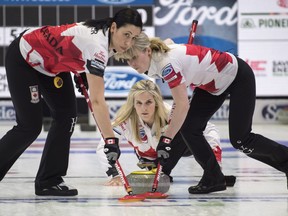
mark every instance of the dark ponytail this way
{"type": "Point", "coordinates": [121, 18]}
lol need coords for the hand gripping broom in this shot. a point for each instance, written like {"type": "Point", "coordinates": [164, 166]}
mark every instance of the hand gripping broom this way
{"type": "Point", "coordinates": [154, 194]}
{"type": "Point", "coordinates": [130, 197]}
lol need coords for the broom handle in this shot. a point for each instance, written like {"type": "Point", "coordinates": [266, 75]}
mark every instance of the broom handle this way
{"type": "Point", "coordinates": [117, 164]}
{"type": "Point", "coordinates": [159, 167]}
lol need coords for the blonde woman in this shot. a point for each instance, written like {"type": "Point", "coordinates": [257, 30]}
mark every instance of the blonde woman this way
{"type": "Point", "coordinates": [142, 120]}
{"type": "Point", "coordinates": [215, 76]}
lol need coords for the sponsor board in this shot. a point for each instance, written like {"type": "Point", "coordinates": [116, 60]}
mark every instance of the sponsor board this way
{"type": "Point", "coordinates": [4, 90]}
{"type": "Point", "coordinates": [8, 34]}
{"type": "Point", "coordinates": [264, 6]}
{"type": "Point", "coordinates": [263, 27]}
{"type": "Point", "coordinates": [270, 65]}
{"type": "Point", "coordinates": [267, 111]}
{"type": "Point", "coordinates": [217, 22]}
{"type": "Point", "coordinates": [262, 39]}
{"type": "Point", "coordinates": [119, 80]}
{"type": "Point", "coordinates": [7, 113]}
{"type": "Point", "coordinates": [77, 2]}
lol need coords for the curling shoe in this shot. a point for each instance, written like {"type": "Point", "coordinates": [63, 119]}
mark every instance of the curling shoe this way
{"type": "Point", "coordinates": [206, 186]}
{"type": "Point", "coordinates": [61, 189]}
{"type": "Point", "coordinates": [202, 188]}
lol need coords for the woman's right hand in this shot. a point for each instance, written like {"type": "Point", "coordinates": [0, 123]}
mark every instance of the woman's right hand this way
{"type": "Point", "coordinates": [115, 181]}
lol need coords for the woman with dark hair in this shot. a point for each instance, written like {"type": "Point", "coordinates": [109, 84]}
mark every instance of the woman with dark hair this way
{"type": "Point", "coordinates": [38, 63]}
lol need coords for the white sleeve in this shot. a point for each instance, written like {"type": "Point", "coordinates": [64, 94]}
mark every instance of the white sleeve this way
{"type": "Point", "coordinates": [212, 135]}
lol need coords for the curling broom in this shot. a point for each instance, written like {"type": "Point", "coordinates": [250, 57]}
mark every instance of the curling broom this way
{"type": "Point", "coordinates": [154, 194]}
{"type": "Point", "coordinates": [130, 197]}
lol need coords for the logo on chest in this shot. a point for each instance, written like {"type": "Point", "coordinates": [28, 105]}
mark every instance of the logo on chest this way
{"type": "Point", "coordinates": [143, 135]}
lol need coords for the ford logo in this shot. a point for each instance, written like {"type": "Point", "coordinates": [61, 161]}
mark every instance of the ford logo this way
{"type": "Point", "coordinates": [118, 82]}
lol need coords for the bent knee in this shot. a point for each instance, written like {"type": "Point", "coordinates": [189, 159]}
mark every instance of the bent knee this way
{"type": "Point", "coordinates": [242, 145]}
{"type": "Point", "coordinates": [31, 130]}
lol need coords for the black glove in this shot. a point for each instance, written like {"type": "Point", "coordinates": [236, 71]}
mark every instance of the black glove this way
{"type": "Point", "coordinates": [77, 83]}
{"type": "Point", "coordinates": [111, 149]}
{"type": "Point", "coordinates": [112, 171]}
{"type": "Point", "coordinates": [147, 164]}
{"type": "Point", "coordinates": [163, 149]}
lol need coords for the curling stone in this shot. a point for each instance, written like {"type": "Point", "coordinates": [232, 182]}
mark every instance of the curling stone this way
{"type": "Point", "coordinates": [142, 181]}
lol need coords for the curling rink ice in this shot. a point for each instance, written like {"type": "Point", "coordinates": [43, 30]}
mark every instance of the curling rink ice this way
{"type": "Point", "coordinates": [259, 189]}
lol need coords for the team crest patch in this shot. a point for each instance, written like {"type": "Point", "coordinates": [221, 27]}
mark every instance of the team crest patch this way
{"type": "Point", "coordinates": [58, 82]}
{"type": "Point", "coordinates": [34, 94]}
{"type": "Point", "coordinates": [143, 135]}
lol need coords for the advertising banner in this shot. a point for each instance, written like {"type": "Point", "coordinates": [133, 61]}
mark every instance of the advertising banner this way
{"type": "Point", "coordinates": [4, 90]}
{"type": "Point", "coordinates": [76, 2]}
{"type": "Point", "coordinates": [266, 21]}
{"type": "Point", "coordinates": [267, 111]}
{"type": "Point", "coordinates": [119, 80]}
{"type": "Point", "coordinates": [7, 113]}
{"type": "Point", "coordinates": [217, 24]}
{"type": "Point", "coordinates": [270, 66]}
{"type": "Point", "coordinates": [262, 42]}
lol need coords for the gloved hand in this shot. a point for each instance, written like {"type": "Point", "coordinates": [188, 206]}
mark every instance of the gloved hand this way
{"type": "Point", "coordinates": [77, 83]}
{"type": "Point", "coordinates": [145, 163]}
{"type": "Point", "coordinates": [111, 149]}
{"type": "Point", "coordinates": [112, 171]}
{"type": "Point", "coordinates": [163, 149]}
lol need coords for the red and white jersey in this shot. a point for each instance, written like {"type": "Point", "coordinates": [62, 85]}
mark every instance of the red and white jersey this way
{"type": "Point", "coordinates": [147, 147]}
{"type": "Point", "coordinates": [201, 67]}
{"type": "Point", "coordinates": [65, 48]}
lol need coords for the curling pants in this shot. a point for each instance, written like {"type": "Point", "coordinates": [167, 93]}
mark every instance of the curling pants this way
{"type": "Point", "coordinates": [26, 87]}
{"type": "Point", "coordinates": [241, 109]}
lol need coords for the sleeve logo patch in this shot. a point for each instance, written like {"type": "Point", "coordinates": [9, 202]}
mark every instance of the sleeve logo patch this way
{"type": "Point", "coordinates": [168, 73]}
{"type": "Point", "coordinates": [170, 76]}
{"type": "Point", "coordinates": [167, 70]}
{"type": "Point", "coordinates": [97, 64]}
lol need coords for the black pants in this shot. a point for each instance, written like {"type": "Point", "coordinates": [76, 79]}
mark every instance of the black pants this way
{"type": "Point", "coordinates": [26, 86]}
{"type": "Point", "coordinates": [241, 109]}
{"type": "Point", "coordinates": [178, 149]}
